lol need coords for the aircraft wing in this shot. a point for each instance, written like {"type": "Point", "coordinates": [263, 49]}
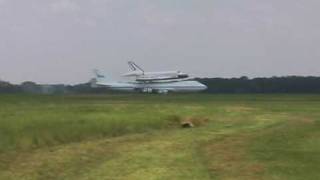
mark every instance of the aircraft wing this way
{"type": "Point", "coordinates": [161, 78]}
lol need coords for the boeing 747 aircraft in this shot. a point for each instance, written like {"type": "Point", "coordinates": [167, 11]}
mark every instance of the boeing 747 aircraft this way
{"type": "Point", "coordinates": [162, 82]}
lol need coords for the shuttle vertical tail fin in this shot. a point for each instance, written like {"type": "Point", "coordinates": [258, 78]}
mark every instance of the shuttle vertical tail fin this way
{"type": "Point", "coordinates": [134, 67]}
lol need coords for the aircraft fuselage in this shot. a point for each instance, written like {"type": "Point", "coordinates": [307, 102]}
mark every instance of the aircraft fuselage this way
{"type": "Point", "coordinates": [165, 87]}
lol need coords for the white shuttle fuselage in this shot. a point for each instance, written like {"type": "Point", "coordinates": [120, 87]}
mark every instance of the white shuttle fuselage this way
{"type": "Point", "coordinates": [140, 75]}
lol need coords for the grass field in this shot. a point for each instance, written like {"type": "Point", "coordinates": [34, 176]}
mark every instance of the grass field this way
{"type": "Point", "coordinates": [139, 137]}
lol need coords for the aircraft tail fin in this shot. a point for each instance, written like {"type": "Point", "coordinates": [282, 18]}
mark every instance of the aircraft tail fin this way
{"type": "Point", "coordinates": [134, 67]}
{"type": "Point", "coordinates": [98, 75]}
{"type": "Point", "coordinates": [99, 79]}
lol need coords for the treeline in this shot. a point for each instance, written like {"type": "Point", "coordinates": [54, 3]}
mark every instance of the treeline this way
{"type": "Point", "coordinates": [33, 88]}
{"type": "Point", "coordinates": [6, 87]}
{"type": "Point", "coordinates": [289, 84]}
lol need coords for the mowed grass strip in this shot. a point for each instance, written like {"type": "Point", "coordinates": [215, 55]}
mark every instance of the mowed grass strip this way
{"type": "Point", "coordinates": [290, 150]}
{"type": "Point", "coordinates": [286, 150]}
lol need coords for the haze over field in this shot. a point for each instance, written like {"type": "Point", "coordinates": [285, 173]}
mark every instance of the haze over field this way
{"type": "Point", "coordinates": [60, 41]}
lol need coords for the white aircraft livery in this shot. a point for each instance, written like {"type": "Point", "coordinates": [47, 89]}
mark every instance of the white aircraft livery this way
{"type": "Point", "coordinates": [151, 82]}
{"type": "Point", "coordinates": [143, 76]}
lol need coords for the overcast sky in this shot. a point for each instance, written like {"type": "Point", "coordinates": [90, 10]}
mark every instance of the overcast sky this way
{"type": "Point", "coordinates": [61, 41]}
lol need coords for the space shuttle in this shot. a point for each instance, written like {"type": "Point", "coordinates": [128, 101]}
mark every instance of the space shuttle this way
{"type": "Point", "coordinates": [164, 76]}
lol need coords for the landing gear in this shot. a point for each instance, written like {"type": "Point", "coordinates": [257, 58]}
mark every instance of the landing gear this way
{"type": "Point", "coordinates": [163, 91]}
{"type": "Point", "coordinates": [156, 91]}
{"type": "Point", "coordinates": [147, 90]}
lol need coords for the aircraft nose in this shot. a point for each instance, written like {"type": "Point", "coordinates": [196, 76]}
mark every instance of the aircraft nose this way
{"type": "Point", "coordinates": [204, 87]}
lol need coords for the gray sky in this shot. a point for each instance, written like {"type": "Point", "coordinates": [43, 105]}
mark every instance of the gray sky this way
{"type": "Point", "coordinates": [60, 41]}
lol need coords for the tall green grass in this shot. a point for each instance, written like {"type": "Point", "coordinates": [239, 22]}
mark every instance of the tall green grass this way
{"type": "Point", "coordinates": [32, 121]}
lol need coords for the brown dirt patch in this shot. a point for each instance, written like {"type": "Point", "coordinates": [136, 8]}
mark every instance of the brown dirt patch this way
{"type": "Point", "coordinates": [188, 121]}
